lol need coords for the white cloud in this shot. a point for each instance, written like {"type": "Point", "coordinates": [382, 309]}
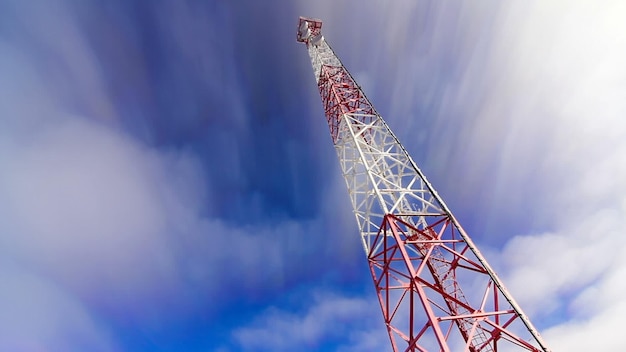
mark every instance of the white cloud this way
{"type": "Point", "coordinates": [117, 227]}
{"type": "Point", "coordinates": [98, 212]}
{"type": "Point", "coordinates": [555, 99]}
{"type": "Point", "coordinates": [37, 315]}
{"type": "Point", "coordinates": [120, 225]}
{"type": "Point", "coordinates": [353, 321]}
{"type": "Point", "coordinates": [596, 314]}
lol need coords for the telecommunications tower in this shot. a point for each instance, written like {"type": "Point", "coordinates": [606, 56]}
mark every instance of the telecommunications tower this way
{"type": "Point", "coordinates": [436, 290]}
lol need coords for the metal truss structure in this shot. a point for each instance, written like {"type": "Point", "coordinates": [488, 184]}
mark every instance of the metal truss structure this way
{"type": "Point", "coordinates": [436, 290]}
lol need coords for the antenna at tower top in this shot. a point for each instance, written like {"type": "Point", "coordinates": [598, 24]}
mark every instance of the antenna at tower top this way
{"type": "Point", "coordinates": [309, 28]}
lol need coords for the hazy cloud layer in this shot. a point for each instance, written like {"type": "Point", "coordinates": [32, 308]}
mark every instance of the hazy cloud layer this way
{"type": "Point", "coordinates": [38, 315]}
{"type": "Point", "coordinates": [114, 228]}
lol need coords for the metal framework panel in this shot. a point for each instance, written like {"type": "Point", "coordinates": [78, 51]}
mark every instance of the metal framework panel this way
{"type": "Point", "coordinates": [436, 290]}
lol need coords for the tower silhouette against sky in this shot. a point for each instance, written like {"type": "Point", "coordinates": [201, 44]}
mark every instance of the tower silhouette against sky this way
{"type": "Point", "coordinates": [436, 290]}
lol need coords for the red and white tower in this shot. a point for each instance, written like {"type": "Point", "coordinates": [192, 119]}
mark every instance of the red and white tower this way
{"type": "Point", "coordinates": [436, 290]}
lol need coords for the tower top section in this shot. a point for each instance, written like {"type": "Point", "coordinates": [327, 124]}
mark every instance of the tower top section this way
{"type": "Point", "coordinates": [309, 30]}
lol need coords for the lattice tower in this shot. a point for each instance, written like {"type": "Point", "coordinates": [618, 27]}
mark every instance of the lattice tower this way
{"type": "Point", "coordinates": [436, 290]}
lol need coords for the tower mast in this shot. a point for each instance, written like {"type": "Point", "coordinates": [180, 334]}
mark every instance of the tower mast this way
{"type": "Point", "coordinates": [436, 290]}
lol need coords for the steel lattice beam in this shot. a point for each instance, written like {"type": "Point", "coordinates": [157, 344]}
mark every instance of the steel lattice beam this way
{"type": "Point", "coordinates": [436, 290]}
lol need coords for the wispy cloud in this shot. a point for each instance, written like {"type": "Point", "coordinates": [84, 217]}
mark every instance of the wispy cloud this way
{"type": "Point", "coordinates": [117, 227]}
{"type": "Point", "coordinates": [38, 315]}
{"type": "Point", "coordinates": [321, 318]}
{"type": "Point", "coordinates": [545, 139]}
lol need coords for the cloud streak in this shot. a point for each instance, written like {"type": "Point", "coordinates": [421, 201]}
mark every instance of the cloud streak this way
{"type": "Point", "coordinates": [109, 206]}
{"type": "Point", "coordinates": [329, 317]}
{"type": "Point", "coordinates": [544, 147]}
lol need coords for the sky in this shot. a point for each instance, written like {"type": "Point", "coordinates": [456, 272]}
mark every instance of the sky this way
{"type": "Point", "coordinates": [168, 182]}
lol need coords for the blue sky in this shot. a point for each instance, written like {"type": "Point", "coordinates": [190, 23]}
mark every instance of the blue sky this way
{"type": "Point", "coordinates": [168, 182]}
